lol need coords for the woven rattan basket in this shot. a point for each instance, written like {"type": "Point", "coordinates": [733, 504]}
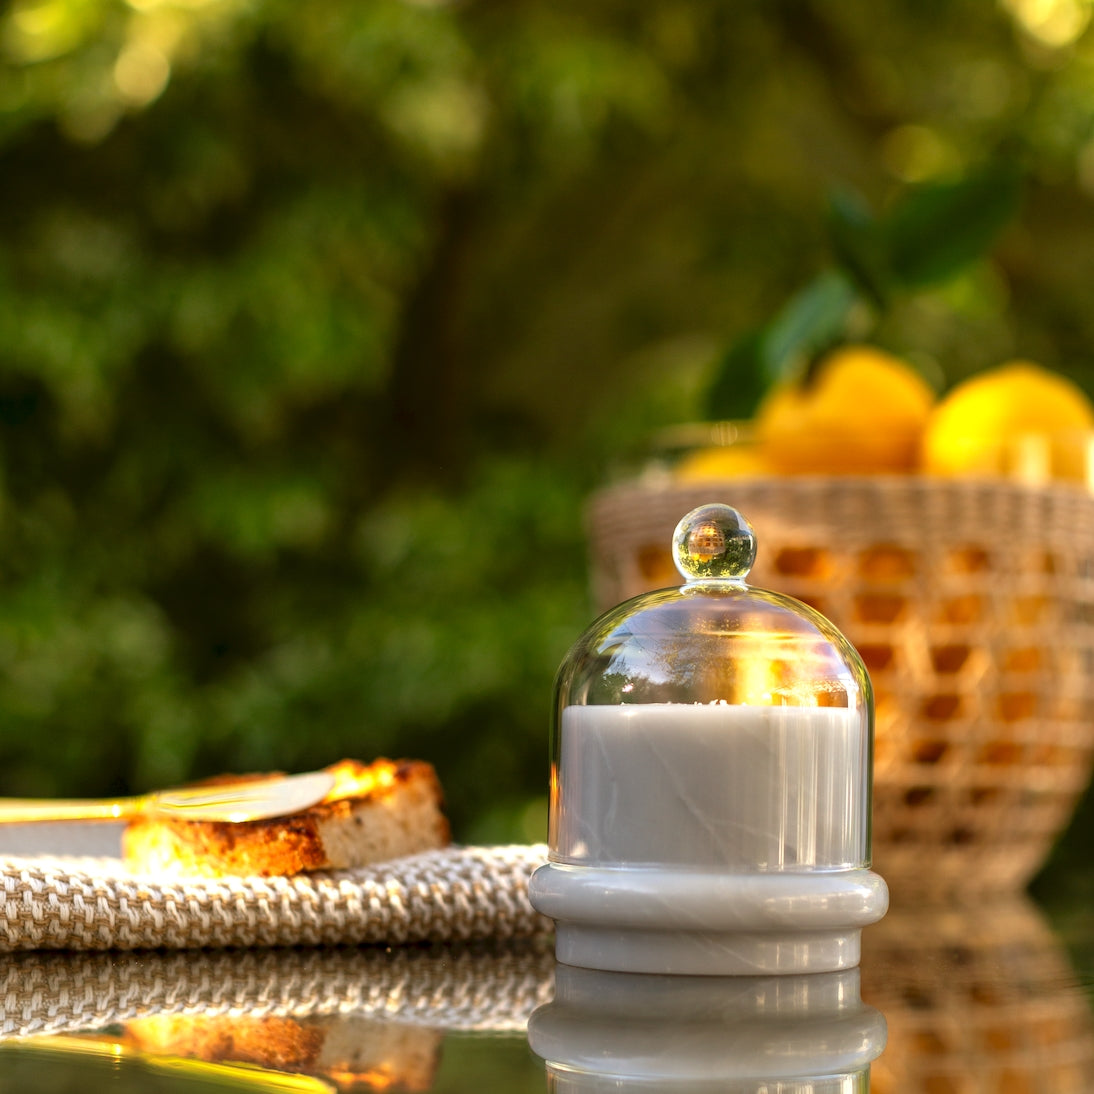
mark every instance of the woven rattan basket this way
{"type": "Point", "coordinates": [972, 604]}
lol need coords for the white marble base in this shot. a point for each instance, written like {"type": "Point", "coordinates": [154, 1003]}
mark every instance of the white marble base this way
{"type": "Point", "coordinates": [652, 920]}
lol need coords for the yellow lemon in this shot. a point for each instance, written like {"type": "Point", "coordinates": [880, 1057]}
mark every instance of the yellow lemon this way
{"type": "Point", "coordinates": [1018, 420]}
{"type": "Point", "coordinates": [721, 462]}
{"type": "Point", "coordinates": [862, 412]}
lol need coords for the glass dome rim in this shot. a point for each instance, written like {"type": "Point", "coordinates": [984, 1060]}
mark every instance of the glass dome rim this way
{"type": "Point", "coordinates": [781, 605]}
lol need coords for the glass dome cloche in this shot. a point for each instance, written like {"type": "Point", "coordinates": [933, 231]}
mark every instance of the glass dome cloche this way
{"type": "Point", "coordinates": [710, 778]}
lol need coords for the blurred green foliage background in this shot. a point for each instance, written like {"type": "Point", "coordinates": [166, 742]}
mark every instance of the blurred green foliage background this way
{"type": "Point", "coordinates": [319, 322]}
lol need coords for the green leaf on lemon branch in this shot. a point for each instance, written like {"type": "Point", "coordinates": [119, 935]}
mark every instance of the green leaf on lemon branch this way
{"type": "Point", "coordinates": [859, 245]}
{"type": "Point", "coordinates": [812, 320]}
{"type": "Point", "coordinates": [938, 229]}
{"type": "Point", "coordinates": [739, 379]}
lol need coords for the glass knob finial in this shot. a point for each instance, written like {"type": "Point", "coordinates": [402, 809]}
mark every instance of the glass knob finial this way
{"type": "Point", "coordinates": [714, 542]}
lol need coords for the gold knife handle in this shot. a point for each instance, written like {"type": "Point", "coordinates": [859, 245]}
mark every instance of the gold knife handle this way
{"type": "Point", "coordinates": [35, 810]}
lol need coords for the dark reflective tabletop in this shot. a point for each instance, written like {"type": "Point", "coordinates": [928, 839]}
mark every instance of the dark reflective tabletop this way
{"type": "Point", "coordinates": [990, 996]}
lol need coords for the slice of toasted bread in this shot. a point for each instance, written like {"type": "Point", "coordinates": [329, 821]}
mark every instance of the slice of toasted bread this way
{"type": "Point", "coordinates": [375, 812]}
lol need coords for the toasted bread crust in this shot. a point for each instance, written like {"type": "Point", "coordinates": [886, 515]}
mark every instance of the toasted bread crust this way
{"type": "Point", "coordinates": [268, 1041]}
{"type": "Point", "coordinates": [348, 1049]}
{"type": "Point", "coordinates": [402, 815]}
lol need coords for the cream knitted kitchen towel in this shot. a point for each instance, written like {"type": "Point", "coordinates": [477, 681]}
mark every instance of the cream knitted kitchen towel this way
{"type": "Point", "coordinates": [455, 894]}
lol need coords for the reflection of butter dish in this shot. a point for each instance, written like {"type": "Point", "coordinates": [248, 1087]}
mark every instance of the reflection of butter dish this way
{"type": "Point", "coordinates": [617, 1031]}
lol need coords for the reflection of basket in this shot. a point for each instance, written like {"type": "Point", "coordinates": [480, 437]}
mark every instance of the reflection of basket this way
{"type": "Point", "coordinates": [972, 604]}
{"type": "Point", "coordinates": [975, 1003]}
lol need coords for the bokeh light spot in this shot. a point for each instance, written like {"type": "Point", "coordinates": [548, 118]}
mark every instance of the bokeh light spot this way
{"type": "Point", "coordinates": [141, 73]}
{"type": "Point", "coordinates": [1055, 23]}
{"type": "Point", "coordinates": [915, 153]}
